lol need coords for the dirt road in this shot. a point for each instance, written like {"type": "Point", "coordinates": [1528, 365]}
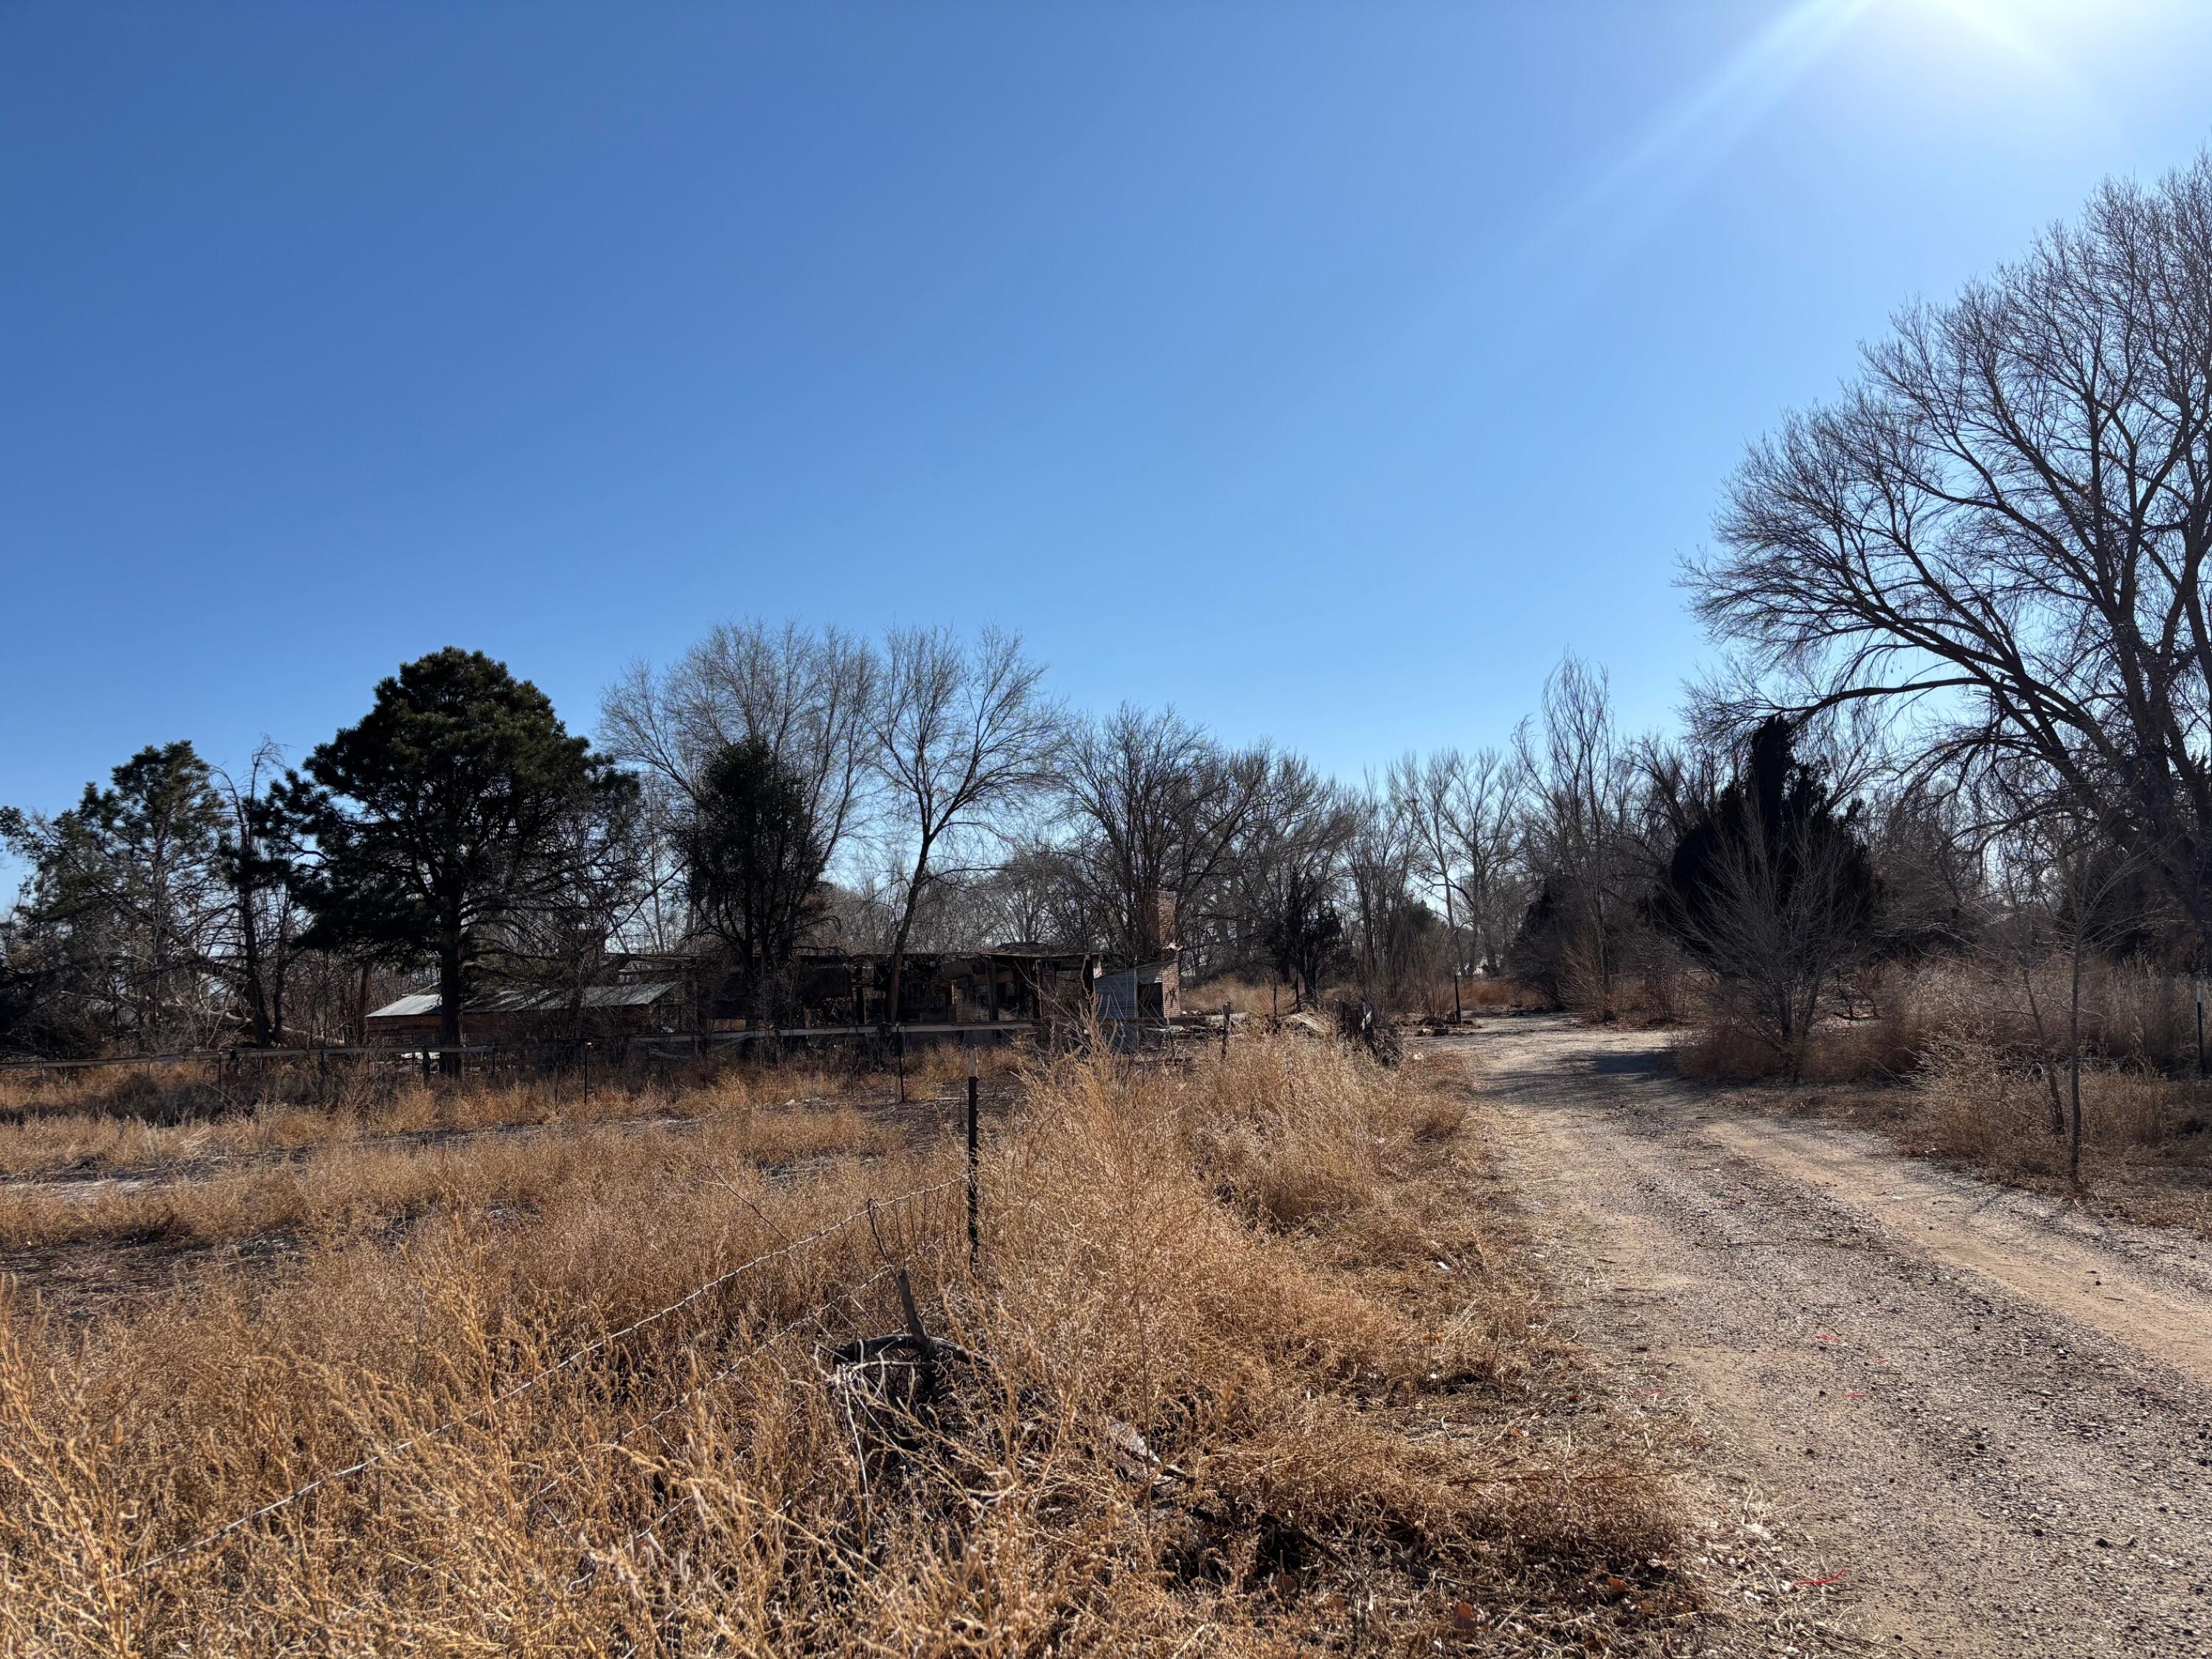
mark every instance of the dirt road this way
{"type": "Point", "coordinates": [1985, 1416]}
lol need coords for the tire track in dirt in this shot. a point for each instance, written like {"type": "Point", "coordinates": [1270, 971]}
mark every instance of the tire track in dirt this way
{"type": "Point", "coordinates": [1927, 1377]}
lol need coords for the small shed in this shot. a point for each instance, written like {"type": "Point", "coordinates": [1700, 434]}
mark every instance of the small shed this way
{"type": "Point", "coordinates": [513, 1016]}
{"type": "Point", "coordinates": [1153, 990]}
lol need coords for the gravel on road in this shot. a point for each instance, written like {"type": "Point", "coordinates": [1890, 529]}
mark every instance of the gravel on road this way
{"type": "Point", "coordinates": [1985, 1418]}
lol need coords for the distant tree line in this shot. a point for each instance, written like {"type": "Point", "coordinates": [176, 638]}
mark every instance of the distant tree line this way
{"type": "Point", "coordinates": [770, 789]}
{"type": "Point", "coordinates": [775, 788]}
{"type": "Point", "coordinates": [1966, 709]}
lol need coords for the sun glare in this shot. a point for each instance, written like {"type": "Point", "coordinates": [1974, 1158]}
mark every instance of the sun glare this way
{"type": "Point", "coordinates": [2014, 25]}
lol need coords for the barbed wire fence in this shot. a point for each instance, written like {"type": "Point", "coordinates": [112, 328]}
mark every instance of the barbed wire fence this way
{"type": "Point", "coordinates": [388, 1456]}
{"type": "Point", "coordinates": [933, 1230]}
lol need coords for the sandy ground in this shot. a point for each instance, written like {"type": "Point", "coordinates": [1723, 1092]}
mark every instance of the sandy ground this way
{"type": "Point", "coordinates": [1985, 1418]}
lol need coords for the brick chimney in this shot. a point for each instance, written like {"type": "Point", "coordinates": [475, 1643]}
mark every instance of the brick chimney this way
{"type": "Point", "coordinates": [1156, 915]}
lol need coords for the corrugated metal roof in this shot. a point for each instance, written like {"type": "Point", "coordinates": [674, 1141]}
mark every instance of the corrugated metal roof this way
{"type": "Point", "coordinates": [424, 1002]}
{"type": "Point", "coordinates": [641, 995]}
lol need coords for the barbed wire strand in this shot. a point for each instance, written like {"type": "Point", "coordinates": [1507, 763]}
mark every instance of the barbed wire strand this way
{"type": "Point", "coordinates": [935, 1247]}
{"type": "Point", "coordinates": [677, 1404]}
{"type": "Point", "coordinates": [513, 1391]}
{"type": "Point", "coordinates": [813, 1315]}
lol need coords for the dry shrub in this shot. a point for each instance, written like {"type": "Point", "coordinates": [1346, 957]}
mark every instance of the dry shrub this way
{"type": "Point", "coordinates": [2133, 1014]}
{"type": "Point", "coordinates": [1950, 1061]}
{"type": "Point", "coordinates": [1494, 994]}
{"type": "Point", "coordinates": [1980, 1103]}
{"type": "Point", "coordinates": [1263, 998]}
{"type": "Point", "coordinates": [1187, 1417]}
{"type": "Point", "coordinates": [1725, 1052]}
{"type": "Point", "coordinates": [1976, 1102]}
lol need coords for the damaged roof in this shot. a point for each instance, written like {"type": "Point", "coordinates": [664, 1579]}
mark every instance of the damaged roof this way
{"type": "Point", "coordinates": [642, 995]}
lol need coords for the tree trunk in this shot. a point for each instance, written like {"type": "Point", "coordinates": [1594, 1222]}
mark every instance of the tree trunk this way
{"type": "Point", "coordinates": [257, 994]}
{"type": "Point", "coordinates": [449, 1008]}
{"type": "Point", "coordinates": [2043, 1045]}
{"type": "Point", "coordinates": [906, 929]}
{"type": "Point", "coordinates": [1451, 933]}
{"type": "Point", "coordinates": [1604, 960]}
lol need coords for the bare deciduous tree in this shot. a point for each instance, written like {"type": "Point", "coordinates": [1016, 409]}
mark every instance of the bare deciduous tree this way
{"type": "Point", "coordinates": [252, 853]}
{"type": "Point", "coordinates": [961, 737]}
{"type": "Point", "coordinates": [1157, 806]}
{"type": "Point", "coordinates": [2003, 527]}
{"type": "Point", "coordinates": [1581, 785]}
{"type": "Point", "coordinates": [1382, 857]}
{"type": "Point", "coordinates": [1466, 814]}
{"type": "Point", "coordinates": [1288, 874]}
{"type": "Point", "coordinates": [1487, 810]}
{"type": "Point", "coordinates": [1426, 795]}
{"type": "Point", "coordinates": [808, 696]}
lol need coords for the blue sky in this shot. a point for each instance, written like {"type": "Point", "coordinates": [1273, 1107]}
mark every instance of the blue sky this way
{"type": "Point", "coordinates": [1326, 371]}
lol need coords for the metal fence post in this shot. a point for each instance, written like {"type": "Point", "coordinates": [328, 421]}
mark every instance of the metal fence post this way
{"type": "Point", "coordinates": [974, 1233]}
{"type": "Point", "coordinates": [1224, 1031]}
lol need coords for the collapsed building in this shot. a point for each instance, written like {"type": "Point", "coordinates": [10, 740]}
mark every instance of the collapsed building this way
{"type": "Point", "coordinates": [1021, 983]}
{"type": "Point", "coordinates": [593, 1011]}
{"type": "Point", "coordinates": [831, 990]}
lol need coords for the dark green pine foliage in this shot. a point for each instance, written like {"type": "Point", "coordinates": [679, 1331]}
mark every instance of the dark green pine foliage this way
{"type": "Point", "coordinates": [1778, 815]}
{"type": "Point", "coordinates": [1772, 890]}
{"type": "Point", "coordinates": [436, 821]}
{"type": "Point", "coordinates": [113, 942]}
{"type": "Point", "coordinates": [754, 858]}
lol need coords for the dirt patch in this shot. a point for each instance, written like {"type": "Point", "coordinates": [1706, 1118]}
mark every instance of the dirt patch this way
{"type": "Point", "coordinates": [2149, 1293]}
{"type": "Point", "coordinates": [2167, 1185]}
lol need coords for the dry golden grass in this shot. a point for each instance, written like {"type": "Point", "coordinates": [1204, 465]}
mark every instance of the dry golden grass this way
{"type": "Point", "coordinates": [2132, 1016]}
{"type": "Point", "coordinates": [1950, 1065]}
{"type": "Point", "coordinates": [355, 1186]}
{"type": "Point", "coordinates": [1249, 1376]}
{"type": "Point", "coordinates": [1883, 1048]}
{"type": "Point", "coordinates": [1262, 999]}
{"type": "Point", "coordinates": [940, 1070]}
{"type": "Point", "coordinates": [1498, 996]}
{"type": "Point", "coordinates": [95, 1122]}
